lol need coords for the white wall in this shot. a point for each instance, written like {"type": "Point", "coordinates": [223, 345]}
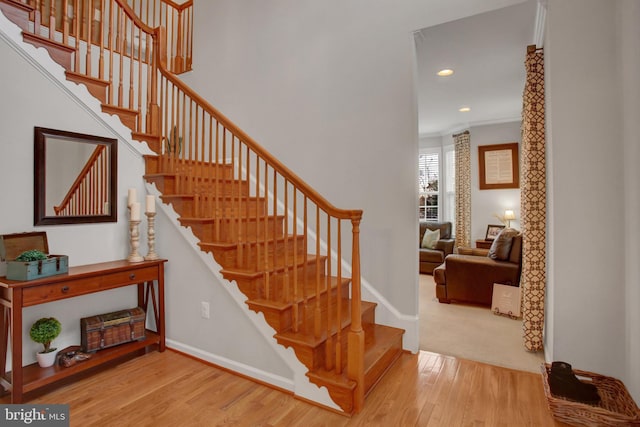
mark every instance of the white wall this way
{"type": "Point", "coordinates": [628, 18]}
{"type": "Point", "coordinates": [327, 87]}
{"type": "Point", "coordinates": [594, 284]}
{"type": "Point", "coordinates": [485, 204]}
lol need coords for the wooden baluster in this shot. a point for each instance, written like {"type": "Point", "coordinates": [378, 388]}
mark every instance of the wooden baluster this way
{"type": "Point", "coordinates": [218, 176]}
{"type": "Point", "coordinates": [329, 345]}
{"type": "Point", "coordinates": [305, 273]}
{"type": "Point", "coordinates": [76, 26]}
{"type": "Point", "coordinates": [89, 20]}
{"type": "Point", "coordinates": [243, 208]}
{"type": "Point", "coordinates": [287, 285]}
{"type": "Point", "coordinates": [65, 21]}
{"type": "Point", "coordinates": [317, 313]}
{"type": "Point", "coordinates": [274, 240]}
{"type": "Point", "coordinates": [52, 19]}
{"type": "Point", "coordinates": [131, 41]}
{"type": "Point", "coordinates": [338, 351]}
{"type": "Point", "coordinates": [267, 288]}
{"type": "Point", "coordinates": [296, 286]}
{"type": "Point", "coordinates": [111, 46]}
{"type": "Point", "coordinates": [121, 38]}
{"type": "Point", "coordinates": [101, 41]}
{"type": "Point", "coordinates": [355, 353]}
{"type": "Point", "coordinates": [258, 219]}
{"type": "Point", "coordinates": [179, 60]}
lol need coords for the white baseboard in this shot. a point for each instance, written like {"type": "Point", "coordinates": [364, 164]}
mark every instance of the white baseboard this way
{"type": "Point", "coordinates": [232, 365]}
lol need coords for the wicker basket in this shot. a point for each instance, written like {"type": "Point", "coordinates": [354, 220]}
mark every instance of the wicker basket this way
{"type": "Point", "coordinates": [616, 407]}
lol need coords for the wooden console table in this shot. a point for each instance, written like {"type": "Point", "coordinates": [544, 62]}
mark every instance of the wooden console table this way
{"type": "Point", "coordinates": [81, 280]}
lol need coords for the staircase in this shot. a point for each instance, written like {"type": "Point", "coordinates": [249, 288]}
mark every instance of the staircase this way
{"type": "Point", "coordinates": [287, 248]}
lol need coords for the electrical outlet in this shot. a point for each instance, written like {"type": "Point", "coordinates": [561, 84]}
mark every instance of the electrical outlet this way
{"type": "Point", "coordinates": [204, 309]}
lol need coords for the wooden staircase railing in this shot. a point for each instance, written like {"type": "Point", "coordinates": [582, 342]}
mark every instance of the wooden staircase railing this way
{"type": "Point", "coordinates": [89, 193]}
{"type": "Point", "coordinates": [275, 236]}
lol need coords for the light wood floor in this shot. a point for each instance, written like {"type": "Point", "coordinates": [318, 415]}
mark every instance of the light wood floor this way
{"type": "Point", "coordinates": [169, 389]}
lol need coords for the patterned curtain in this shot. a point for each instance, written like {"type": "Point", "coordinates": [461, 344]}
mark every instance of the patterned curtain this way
{"type": "Point", "coordinates": [533, 201]}
{"type": "Point", "coordinates": [462, 143]}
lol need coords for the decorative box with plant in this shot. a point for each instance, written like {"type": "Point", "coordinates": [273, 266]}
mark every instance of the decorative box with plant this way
{"type": "Point", "coordinates": [31, 255]}
{"type": "Point", "coordinates": [44, 331]}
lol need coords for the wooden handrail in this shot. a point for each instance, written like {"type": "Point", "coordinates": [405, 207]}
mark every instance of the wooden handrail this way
{"type": "Point", "coordinates": [273, 161]}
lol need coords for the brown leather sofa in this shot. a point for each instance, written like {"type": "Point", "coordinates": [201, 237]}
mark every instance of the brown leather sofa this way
{"type": "Point", "coordinates": [431, 258]}
{"type": "Point", "coordinates": [469, 275]}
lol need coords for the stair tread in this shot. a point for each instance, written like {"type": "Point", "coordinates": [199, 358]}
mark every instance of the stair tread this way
{"type": "Point", "coordinates": [192, 196]}
{"type": "Point", "coordinates": [310, 340]}
{"type": "Point", "coordinates": [252, 273]}
{"type": "Point", "coordinates": [251, 241]}
{"type": "Point", "coordinates": [378, 340]}
{"type": "Point", "coordinates": [236, 218]}
{"type": "Point", "coordinates": [279, 305]}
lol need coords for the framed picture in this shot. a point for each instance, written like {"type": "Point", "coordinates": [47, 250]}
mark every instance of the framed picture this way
{"type": "Point", "coordinates": [499, 166]}
{"type": "Point", "coordinates": [493, 231]}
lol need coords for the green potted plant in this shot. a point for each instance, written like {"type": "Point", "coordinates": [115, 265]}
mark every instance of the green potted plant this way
{"type": "Point", "coordinates": [44, 331]}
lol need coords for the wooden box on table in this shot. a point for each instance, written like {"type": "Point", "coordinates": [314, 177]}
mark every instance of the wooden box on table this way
{"type": "Point", "coordinates": [111, 329]}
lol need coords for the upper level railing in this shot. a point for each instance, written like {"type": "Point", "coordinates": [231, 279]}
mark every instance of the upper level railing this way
{"type": "Point", "coordinates": [90, 19]}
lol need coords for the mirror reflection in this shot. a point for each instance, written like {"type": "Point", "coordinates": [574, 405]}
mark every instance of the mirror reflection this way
{"type": "Point", "coordinates": [75, 178]}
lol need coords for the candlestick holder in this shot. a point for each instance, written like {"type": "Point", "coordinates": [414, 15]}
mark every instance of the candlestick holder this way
{"type": "Point", "coordinates": [151, 236]}
{"type": "Point", "coordinates": [134, 234]}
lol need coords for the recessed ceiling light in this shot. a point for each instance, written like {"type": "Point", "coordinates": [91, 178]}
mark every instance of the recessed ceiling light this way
{"type": "Point", "coordinates": [445, 73]}
{"type": "Point", "coordinates": [464, 109]}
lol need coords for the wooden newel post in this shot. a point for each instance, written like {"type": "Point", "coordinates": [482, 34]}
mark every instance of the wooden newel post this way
{"type": "Point", "coordinates": [355, 363]}
{"type": "Point", "coordinates": [178, 62]}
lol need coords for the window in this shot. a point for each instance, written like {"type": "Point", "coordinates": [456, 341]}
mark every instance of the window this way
{"type": "Point", "coordinates": [449, 209]}
{"type": "Point", "coordinates": [428, 178]}
{"type": "Point", "coordinates": [437, 185]}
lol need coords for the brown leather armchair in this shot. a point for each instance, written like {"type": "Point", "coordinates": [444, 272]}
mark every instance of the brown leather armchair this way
{"type": "Point", "coordinates": [469, 275]}
{"type": "Point", "coordinates": [431, 258]}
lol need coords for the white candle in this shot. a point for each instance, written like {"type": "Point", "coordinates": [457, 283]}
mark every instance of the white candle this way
{"type": "Point", "coordinates": [132, 196]}
{"type": "Point", "coordinates": [135, 211]}
{"type": "Point", "coordinates": [151, 204]}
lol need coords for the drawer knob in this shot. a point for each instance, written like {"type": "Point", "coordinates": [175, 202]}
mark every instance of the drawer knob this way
{"type": "Point", "coordinates": [65, 289]}
{"type": "Point", "coordinates": [132, 276]}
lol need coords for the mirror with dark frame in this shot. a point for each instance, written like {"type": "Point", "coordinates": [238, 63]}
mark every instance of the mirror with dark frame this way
{"type": "Point", "coordinates": [75, 178]}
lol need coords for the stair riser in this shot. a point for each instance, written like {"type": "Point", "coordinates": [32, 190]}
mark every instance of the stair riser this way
{"type": "Point", "coordinates": [157, 164]}
{"type": "Point", "coordinates": [195, 209]}
{"type": "Point", "coordinates": [283, 319]}
{"type": "Point", "coordinates": [252, 255]}
{"type": "Point", "coordinates": [172, 185]}
{"type": "Point", "coordinates": [280, 283]}
{"type": "Point", "coordinates": [316, 357]}
{"type": "Point", "coordinates": [374, 374]}
{"type": "Point", "coordinates": [230, 230]}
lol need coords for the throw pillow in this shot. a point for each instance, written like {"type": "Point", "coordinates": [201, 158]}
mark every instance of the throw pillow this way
{"type": "Point", "coordinates": [430, 238]}
{"type": "Point", "coordinates": [501, 246]}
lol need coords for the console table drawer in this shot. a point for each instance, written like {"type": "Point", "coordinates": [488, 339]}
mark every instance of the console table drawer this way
{"type": "Point", "coordinates": [73, 288]}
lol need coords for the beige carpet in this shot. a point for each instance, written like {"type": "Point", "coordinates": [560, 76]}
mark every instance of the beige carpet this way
{"type": "Point", "coordinates": [472, 332]}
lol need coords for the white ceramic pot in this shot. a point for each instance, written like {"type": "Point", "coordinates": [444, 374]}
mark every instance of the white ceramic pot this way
{"type": "Point", "coordinates": [46, 359]}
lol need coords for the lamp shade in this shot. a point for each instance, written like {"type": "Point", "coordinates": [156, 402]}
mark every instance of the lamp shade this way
{"type": "Point", "coordinates": [509, 214]}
